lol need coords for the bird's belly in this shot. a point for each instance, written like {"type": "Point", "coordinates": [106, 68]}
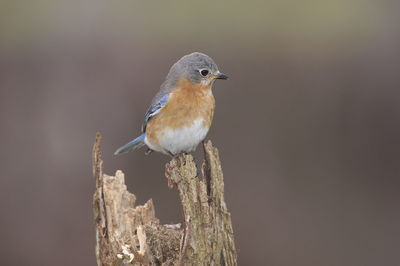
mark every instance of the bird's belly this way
{"type": "Point", "coordinates": [183, 139]}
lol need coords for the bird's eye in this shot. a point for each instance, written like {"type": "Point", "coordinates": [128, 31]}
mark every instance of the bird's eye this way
{"type": "Point", "coordinates": [204, 72]}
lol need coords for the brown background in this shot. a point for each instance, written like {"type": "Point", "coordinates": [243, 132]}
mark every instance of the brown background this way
{"type": "Point", "coordinates": [307, 126]}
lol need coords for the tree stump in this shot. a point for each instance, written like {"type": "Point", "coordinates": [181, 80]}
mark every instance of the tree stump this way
{"type": "Point", "coordinates": [129, 235]}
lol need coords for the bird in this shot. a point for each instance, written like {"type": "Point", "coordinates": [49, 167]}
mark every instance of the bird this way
{"type": "Point", "coordinates": [181, 113]}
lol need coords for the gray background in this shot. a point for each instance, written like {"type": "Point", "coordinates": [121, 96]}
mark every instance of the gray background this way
{"type": "Point", "coordinates": [307, 125]}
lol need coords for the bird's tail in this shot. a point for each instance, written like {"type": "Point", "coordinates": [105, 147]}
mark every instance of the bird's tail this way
{"type": "Point", "coordinates": [132, 145]}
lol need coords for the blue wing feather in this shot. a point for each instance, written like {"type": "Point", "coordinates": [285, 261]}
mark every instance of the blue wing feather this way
{"type": "Point", "coordinates": [159, 101]}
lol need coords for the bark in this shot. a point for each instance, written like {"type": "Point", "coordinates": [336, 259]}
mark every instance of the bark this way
{"type": "Point", "coordinates": [131, 235]}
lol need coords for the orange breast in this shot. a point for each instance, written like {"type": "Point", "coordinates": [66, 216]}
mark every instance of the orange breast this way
{"type": "Point", "coordinates": [187, 103]}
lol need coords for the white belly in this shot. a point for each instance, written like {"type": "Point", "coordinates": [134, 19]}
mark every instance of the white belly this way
{"type": "Point", "coordinates": [179, 140]}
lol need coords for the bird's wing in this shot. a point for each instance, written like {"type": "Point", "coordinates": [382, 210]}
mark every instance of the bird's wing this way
{"type": "Point", "coordinates": [159, 101]}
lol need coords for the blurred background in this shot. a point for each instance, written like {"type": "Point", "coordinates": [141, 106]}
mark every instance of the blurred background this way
{"type": "Point", "coordinates": [307, 126]}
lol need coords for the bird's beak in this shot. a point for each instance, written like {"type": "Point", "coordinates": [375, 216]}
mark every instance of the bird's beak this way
{"type": "Point", "coordinates": [221, 76]}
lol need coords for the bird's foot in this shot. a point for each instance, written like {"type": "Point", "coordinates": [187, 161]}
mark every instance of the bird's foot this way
{"type": "Point", "coordinates": [180, 158]}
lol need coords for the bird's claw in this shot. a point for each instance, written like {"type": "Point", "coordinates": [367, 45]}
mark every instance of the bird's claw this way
{"type": "Point", "coordinates": [181, 159]}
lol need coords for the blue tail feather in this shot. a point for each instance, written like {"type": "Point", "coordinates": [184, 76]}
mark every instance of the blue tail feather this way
{"type": "Point", "coordinates": [132, 145]}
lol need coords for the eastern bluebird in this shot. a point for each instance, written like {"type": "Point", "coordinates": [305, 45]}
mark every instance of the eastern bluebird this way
{"type": "Point", "coordinates": [181, 113]}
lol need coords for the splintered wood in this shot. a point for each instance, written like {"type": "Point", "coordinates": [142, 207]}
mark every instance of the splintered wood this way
{"type": "Point", "coordinates": [131, 235]}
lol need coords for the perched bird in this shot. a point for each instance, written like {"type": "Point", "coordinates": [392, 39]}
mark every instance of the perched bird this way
{"type": "Point", "coordinates": [181, 113]}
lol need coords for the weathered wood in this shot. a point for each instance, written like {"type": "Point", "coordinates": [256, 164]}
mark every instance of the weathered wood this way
{"type": "Point", "coordinates": [211, 240]}
{"type": "Point", "coordinates": [129, 235]}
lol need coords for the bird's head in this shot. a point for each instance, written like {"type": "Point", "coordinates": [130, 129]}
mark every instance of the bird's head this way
{"type": "Point", "coordinates": [196, 67]}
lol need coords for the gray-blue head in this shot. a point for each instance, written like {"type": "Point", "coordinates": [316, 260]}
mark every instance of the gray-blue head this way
{"type": "Point", "coordinates": [197, 67]}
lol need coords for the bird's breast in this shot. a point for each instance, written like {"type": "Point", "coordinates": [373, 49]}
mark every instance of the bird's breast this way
{"type": "Point", "coordinates": [184, 139]}
{"type": "Point", "coordinates": [184, 121]}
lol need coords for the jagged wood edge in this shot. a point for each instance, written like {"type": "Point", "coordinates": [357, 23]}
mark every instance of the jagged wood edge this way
{"type": "Point", "coordinates": [210, 238]}
{"type": "Point", "coordinates": [208, 235]}
{"type": "Point", "coordinates": [125, 234]}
